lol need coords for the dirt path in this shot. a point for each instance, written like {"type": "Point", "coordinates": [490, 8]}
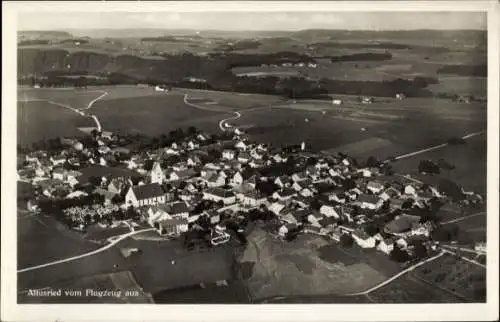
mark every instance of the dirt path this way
{"type": "Point", "coordinates": [94, 252]}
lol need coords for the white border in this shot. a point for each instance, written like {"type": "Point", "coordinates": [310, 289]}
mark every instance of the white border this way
{"type": "Point", "coordinates": [382, 312]}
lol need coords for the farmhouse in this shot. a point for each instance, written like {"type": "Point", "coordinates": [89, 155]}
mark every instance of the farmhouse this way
{"type": "Point", "coordinates": [401, 225]}
{"type": "Point", "coordinates": [148, 194]}
{"type": "Point", "coordinates": [283, 181]}
{"type": "Point", "coordinates": [253, 199]}
{"type": "Point", "coordinates": [329, 211]}
{"type": "Point", "coordinates": [375, 187]}
{"type": "Point", "coordinates": [363, 239]}
{"type": "Point", "coordinates": [369, 202]}
{"type": "Point", "coordinates": [219, 194]}
{"type": "Point", "coordinates": [285, 194]}
{"type": "Point", "coordinates": [172, 227]}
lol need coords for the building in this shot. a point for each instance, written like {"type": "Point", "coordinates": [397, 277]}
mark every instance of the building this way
{"type": "Point", "coordinates": [363, 239]}
{"type": "Point", "coordinates": [228, 154]}
{"type": "Point", "coordinates": [172, 227]}
{"type": "Point", "coordinates": [401, 225]}
{"type": "Point", "coordinates": [386, 245]}
{"type": "Point", "coordinates": [219, 194]}
{"type": "Point", "coordinates": [237, 179]}
{"type": "Point", "coordinates": [285, 194]}
{"type": "Point", "coordinates": [371, 202]}
{"type": "Point", "coordinates": [253, 199]}
{"type": "Point", "coordinates": [156, 173]}
{"type": "Point", "coordinates": [283, 181]}
{"type": "Point", "coordinates": [329, 211]}
{"type": "Point", "coordinates": [148, 194]}
{"type": "Point", "coordinates": [336, 102]}
{"type": "Point", "coordinates": [375, 187]}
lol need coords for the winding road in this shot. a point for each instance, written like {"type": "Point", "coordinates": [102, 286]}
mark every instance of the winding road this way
{"type": "Point", "coordinates": [409, 269]}
{"type": "Point", "coordinates": [75, 110]}
{"type": "Point", "coordinates": [97, 251]}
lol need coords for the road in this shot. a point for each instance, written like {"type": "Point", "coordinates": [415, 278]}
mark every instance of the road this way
{"type": "Point", "coordinates": [411, 268]}
{"type": "Point", "coordinates": [75, 110]}
{"type": "Point", "coordinates": [463, 218]}
{"type": "Point", "coordinates": [464, 258]}
{"type": "Point", "coordinates": [97, 251]}
{"type": "Point", "coordinates": [432, 148]}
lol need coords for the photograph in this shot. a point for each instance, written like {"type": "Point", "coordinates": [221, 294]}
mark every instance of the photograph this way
{"type": "Point", "coordinates": [246, 157]}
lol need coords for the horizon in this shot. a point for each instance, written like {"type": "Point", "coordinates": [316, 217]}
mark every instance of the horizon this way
{"type": "Point", "coordinates": [253, 21]}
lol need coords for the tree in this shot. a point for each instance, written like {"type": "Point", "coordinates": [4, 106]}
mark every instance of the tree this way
{"type": "Point", "coordinates": [372, 162]}
{"type": "Point", "coordinates": [399, 255]}
{"type": "Point", "coordinates": [451, 189]}
{"type": "Point", "coordinates": [427, 166]}
{"type": "Point", "coordinates": [95, 181]}
{"type": "Point", "coordinates": [346, 240]}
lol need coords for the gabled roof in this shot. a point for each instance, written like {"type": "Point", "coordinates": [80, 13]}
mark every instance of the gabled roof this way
{"type": "Point", "coordinates": [368, 198]}
{"type": "Point", "coordinates": [401, 224]}
{"type": "Point", "coordinates": [173, 222]}
{"type": "Point", "coordinates": [146, 191]}
{"type": "Point", "coordinates": [375, 185]}
{"type": "Point", "coordinates": [176, 208]}
{"type": "Point", "coordinates": [286, 192]}
{"type": "Point", "coordinates": [219, 192]}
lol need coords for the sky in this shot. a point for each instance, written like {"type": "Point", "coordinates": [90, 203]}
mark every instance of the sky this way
{"type": "Point", "coordinates": [252, 21]}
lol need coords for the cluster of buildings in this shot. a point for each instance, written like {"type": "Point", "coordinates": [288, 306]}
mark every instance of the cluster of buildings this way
{"type": "Point", "coordinates": [310, 193]}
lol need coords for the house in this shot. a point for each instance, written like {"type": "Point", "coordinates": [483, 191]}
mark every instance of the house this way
{"type": "Point", "coordinates": [410, 190]}
{"type": "Point", "coordinates": [327, 221]}
{"type": "Point", "coordinates": [386, 245]}
{"type": "Point", "coordinates": [278, 158]}
{"type": "Point", "coordinates": [257, 164]}
{"type": "Point", "coordinates": [306, 192]}
{"type": "Point", "coordinates": [276, 208]}
{"type": "Point", "coordinates": [367, 100]}
{"type": "Point", "coordinates": [218, 194]}
{"type": "Point", "coordinates": [241, 145]}
{"type": "Point", "coordinates": [147, 194]}
{"type": "Point", "coordinates": [337, 196]}
{"type": "Point", "coordinates": [244, 157]}
{"type": "Point", "coordinates": [288, 218]}
{"type": "Point", "coordinates": [156, 173]}
{"type": "Point", "coordinates": [71, 177]}
{"type": "Point", "coordinates": [215, 180]}
{"type": "Point", "coordinates": [57, 160]}
{"type": "Point", "coordinates": [401, 225]}
{"type": "Point", "coordinates": [172, 227]}
{"type": "Point", "coordinates": [177, 210]}
{"type": "Point", "coordinates": [228, 154]}
{"type": "Point", "coordinates": [389, 194]}
{"type": "Point", "coordinates": [396, 204]}
{"type": "Point", "coordinates": [213, 215]}
{"type": "Point", "coordinates": [300, 185]}
{"type": "Point", "coordinates": [345, 212]}
{"type": "Point", "coordinates": [329, 211]}
{"type": "Point", "coordinates": [283, 181]}
{"type": "Point", "coordinates": [59, 173]}
{"type": "Point", "coordinates": [193, 161]}
{"type": "Point", "coordinates": [375, 187]}
{"type": "Point", "coordinates": [363, 239]}
{"type": "Point", "coordinates": [336, 102]}
{"type": "Point", "coordinates": [371, 202]}
{"type": "Point", "coordinates": [283, 230]}
{"type": "Point", "coordinates": [311, 229]}
{"type": "Point", "coordinates": [314, 218]}
{"type": "Point", "coordinates": [116, 185]}
{"type": "Point", "coordinates": [400, 96]}
{"type": "Point", "coordinates": [237, 179]}
{"type": "Point", "coordinates": [284, 194]}
{"type": "Point", "coordinates": [253, 199]}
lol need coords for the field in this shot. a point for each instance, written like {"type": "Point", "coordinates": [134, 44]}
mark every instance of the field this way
{"type": "Point", "coordinates": [408, 290]}
{"type": "Point", "coordinates": [463, 279]}
{"type": "Point", "coordinates": [305, 268]}
{"type": "Point", "coordinates": [58, 241]}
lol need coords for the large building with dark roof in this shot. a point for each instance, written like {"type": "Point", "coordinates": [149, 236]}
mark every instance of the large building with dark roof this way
{"type": "Point", "coordinates": [142, 195]}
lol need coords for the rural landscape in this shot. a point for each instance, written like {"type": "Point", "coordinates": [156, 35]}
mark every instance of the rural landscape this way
{"type": "Point", "coordinates": [305, 166]}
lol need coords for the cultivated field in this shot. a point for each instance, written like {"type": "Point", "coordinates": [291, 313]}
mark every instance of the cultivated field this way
{"type": "Point", "coordinates": [456, 276]}
{"type": "Point", "coordinates": [296, 268]}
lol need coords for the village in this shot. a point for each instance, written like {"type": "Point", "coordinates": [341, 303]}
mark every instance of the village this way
{"type": "Point", "coordinates": [208, 187]}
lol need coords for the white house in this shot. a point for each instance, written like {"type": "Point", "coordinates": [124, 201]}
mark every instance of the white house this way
{"type": "Point", "coordinates": [375, 187]}
{"type": "Point", "coordinates": [59, 173]}
{"type": "Point", "coordinates": [253, 199]}
{"type": "Point", "coordinates": [241, 145]}
{"type": "Point", "coordinates": [57, 160]}
{"type": "Point", "coordinates": [156, 174]}
{"type": "Point", "coordinates": [363, 239]}
{"type": "Point", "coordinates": [329, 211]}
{"type": "Point", "coordinates": [369, 202]}
{"type": "Point", "coordinates": [219, 194]}
{"type": "Point", "coordinates": [386, 245]}
{"type": "Point", "coordinates": [228, 154]}
{"type": "Point", "coordinates": [237, 179]}
{"type": "Point", "coordinates": [147, 194]}
{"type": "Point", "coordinates": [283, 181]}
{"type": "Point", "coordinates": [336, 102]}
{"type": "Point", "coordinates": [410, 190]}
